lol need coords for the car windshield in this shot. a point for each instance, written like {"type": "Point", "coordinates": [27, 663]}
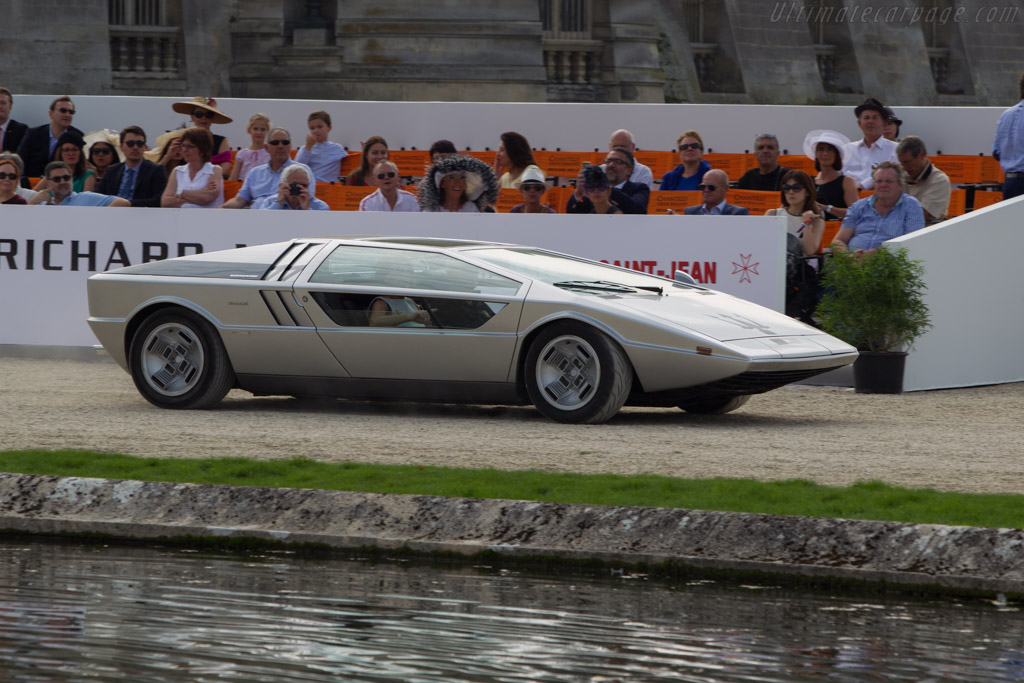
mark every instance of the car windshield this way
{"type": "Point", "coordinates": [559, 269]}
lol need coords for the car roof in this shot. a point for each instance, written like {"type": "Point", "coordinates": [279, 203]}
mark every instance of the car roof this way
{"type": "Point", "coordinates": [433, 242]}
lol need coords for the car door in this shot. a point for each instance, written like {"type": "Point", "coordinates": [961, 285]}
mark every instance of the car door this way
{"type": "Point", "coordinates": [459, 321]}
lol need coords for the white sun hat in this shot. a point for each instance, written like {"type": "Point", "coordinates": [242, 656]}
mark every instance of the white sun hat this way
{"type": "Point", "coordinates": [837, 140]}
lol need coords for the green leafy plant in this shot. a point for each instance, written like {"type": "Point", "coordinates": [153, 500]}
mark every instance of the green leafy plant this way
{"type": "Point", "coordinates": [874, 301]}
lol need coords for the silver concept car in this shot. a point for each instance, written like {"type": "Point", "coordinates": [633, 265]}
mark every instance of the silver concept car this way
{"type": "Point", "coordinates": [415, 319]}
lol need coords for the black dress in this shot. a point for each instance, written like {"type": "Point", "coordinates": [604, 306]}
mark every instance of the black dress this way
{"type": "Point", "coordinates": [832, 193]}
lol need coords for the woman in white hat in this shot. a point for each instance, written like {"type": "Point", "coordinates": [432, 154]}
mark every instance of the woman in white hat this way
{"type": "Point", "coordinates": [836, 192]}
{"type": "Point", "coordinates": [102, 150]}
{"type": "Point", "coordinates": [203, 112]}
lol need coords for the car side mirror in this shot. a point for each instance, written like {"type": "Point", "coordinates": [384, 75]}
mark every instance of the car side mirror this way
{"type": "Point", "coordinates": [685, 278]}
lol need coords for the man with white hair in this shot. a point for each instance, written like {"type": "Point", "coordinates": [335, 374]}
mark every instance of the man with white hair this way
{"type": "Point", "coordinates": [388, 196]}
{"type": "Point", "coordinates": [641, 173]}
{"type": "Point", "coordinates": [293, 193]}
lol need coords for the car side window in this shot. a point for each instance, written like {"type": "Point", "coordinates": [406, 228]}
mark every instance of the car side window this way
{"type": "Point", "coordinates": [381, 267]}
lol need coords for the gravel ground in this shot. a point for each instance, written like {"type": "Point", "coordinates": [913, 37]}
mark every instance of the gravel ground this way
{"type": "Point", "coordinates": [955, 440]}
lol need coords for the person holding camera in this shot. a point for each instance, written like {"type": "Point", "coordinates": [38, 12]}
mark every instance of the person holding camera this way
{"type": "Point", "coordinates": [264, 181]}
{"type": "Point", "coordinates": [293, 193]}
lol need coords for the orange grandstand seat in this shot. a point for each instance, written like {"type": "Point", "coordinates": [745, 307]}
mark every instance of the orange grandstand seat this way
{"type": "Point", "coordinates": [755, 201]}
{"type": "Point", "coordinates": [231, 188]}
{"type": "Point", "coordinates": [983, 199]}
{"type": "Point", "coordinates": [829, 236]}
{"type": "Point", "coordinates": [734, 165]}
{"type": "Point", "coordinates": [663, 200]}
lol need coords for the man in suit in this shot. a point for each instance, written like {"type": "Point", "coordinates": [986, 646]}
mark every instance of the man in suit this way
{"type": "Point", "coordinates": [618, 165]}
{"type": "Point", "coordinates": [138, 180]}
{"type": "Point", "coordinates": [11, 131]}
{"type": "Point", "coordinates": [629, 196]}
{"type": "Point", "coordinates": [36, 149]}
{"type": "Point", "coordinates": [713, 189]}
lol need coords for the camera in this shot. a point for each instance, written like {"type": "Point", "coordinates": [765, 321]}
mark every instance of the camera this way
{"type": "Point", "coordinates": [295, 189]}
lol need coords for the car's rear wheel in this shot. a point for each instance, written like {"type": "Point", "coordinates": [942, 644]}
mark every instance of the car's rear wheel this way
{"type": "Point", "coordinates": [715, 406]}
{"type": "Point", "coordinates": [177, 360]}
{"type": "Point", "coordinates": [574, 373]}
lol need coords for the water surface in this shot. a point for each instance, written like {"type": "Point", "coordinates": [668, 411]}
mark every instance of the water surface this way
{"type": "Point", "coordinates": [70, 612]}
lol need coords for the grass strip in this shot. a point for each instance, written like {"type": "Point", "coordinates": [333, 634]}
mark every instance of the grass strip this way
{"type": "Point", "coordinates": [871, 500]}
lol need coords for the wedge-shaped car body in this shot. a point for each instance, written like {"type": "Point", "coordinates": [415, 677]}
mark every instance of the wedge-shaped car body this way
{"type": "Point", "coordinates": [412, 319]}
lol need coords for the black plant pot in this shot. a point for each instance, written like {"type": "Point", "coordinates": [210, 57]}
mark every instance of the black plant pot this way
{"type": "Point", "coordinates": [879, 372]}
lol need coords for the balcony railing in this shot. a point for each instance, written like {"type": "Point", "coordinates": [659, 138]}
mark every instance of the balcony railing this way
{"type": "Point", "coordinates": [146, 51]}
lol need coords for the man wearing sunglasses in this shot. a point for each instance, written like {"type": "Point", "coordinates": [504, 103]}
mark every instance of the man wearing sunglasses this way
{"type": "Point", "coordinates": [388, 196]}
{"type": "Point", "coordinates": [265, 181]}
{"type": "Point", "coordinates": [630, 197]}
{"type": "Point", "coordinates": [137, 179]}
{"type": "Point", "coordinates": [37, 146]}
{"type": "Point", "coordinates": [56, 191]}
{"type": "Point", "coordinates": [293, 193]}
{"type": "Point", "coordinates": [713, 189]}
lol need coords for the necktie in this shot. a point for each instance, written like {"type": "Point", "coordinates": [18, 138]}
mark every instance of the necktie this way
{"type": "Point", "coordinates": [127, 184]}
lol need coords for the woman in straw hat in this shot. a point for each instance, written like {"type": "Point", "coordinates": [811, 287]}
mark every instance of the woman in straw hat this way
{"type": "Point", "coordinates": [102, 150]}
{"type": "Point", "coordinates": [203, 112]}
{"type": "Point", "coordinates": [835, 192]}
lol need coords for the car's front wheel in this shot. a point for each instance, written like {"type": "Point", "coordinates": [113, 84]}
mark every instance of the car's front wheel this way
{"type": "Point", "coordinates": [574, 373]}
{"type": "Point", "coordinates": [177, 360]}
{"type": "Point", "coordinates": [715, 406]}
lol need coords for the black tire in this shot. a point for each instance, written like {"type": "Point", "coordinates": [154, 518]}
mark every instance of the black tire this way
{"type": "Point", "coordinates": [576, 374]}
{"type": "Point", "coordinates": [715, 406]}
{"type": "Point", "coordinates": [177, 360]}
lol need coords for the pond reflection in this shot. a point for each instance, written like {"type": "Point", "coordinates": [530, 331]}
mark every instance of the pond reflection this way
{"type": "Point", "coordinates": [70, 612]}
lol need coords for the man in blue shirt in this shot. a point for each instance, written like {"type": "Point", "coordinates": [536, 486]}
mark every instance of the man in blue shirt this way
{"type": "Point", "coordinates": [293, 193]}
{"type": "Point", "coordinates": [57, 191]}
{"type": "Point", "coordinates": [1008, 146]}
{"type": "Point", "coordinates": [889, 212]}
{"type": "Point", "coordinates": [263, 181]}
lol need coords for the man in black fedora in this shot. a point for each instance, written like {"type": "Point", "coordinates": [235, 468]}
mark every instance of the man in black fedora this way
{"type": "Point", "coordinates": [861, 157]}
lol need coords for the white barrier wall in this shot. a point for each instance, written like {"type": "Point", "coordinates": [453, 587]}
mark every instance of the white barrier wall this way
{"type": "Point", "coordinates": [572, 127]}
{"type": "Point", "coordinates": [975, 298]}
{"type": "Point", "coordinates": [47, 253]}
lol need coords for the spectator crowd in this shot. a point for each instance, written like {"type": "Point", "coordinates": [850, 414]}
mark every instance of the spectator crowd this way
{"type": "Point", "coordinates": [879, 186]}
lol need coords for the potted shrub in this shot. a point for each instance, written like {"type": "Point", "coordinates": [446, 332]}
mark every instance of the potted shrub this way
{"type": "Point", "coordinates": [875, 303]}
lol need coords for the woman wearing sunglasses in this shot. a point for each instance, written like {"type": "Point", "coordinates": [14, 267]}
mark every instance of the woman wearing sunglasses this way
{"type": "Point", "coordinates": [800, 207]}
{"type": "Point", "coordinates": [203, 113]}
{"type": "Point", "coordinates": [388, 196]}
{"type": "Point", "coordinates": [101, 152]}
{"type": "Point", "coordinates": [690, 173]}
{"type": "Point", "coordinates": [9, 175]}
{"type": "Point", "coordinates": [70, 149]}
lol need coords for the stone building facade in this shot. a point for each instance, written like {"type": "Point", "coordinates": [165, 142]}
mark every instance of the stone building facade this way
{"type": "Point", "coordinates": [906, 52]}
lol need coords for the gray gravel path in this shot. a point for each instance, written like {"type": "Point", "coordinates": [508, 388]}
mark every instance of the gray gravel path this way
{"type": "Point", "coordinates": [955, 440]}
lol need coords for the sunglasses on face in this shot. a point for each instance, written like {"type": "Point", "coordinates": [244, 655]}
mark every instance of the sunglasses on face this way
{"type": "Point", "coordinates": [59, 178]}
{"type": "Point", "coordinates": [792, 188]}
{"type": "Point", "coordinates": [65, 110]}
{"type": "Point", "coordinates": [689, 145]}
{"type": "Point", "coordinates": [389, 174]}
{"type": "Point", "coordinates": [8, 176]}
{"type": "Point", "coordinates": [102, 150]}
{"type": "Point", "coordinates": [203, 114]}
{"type": "Point", "coordinates": [135, 143]}
{"type": "Point", "coordinates": [532, 188]}
{"type": "Point", "coordinates": [279, 142]}
{"type": "Point", "coordinates": [707, 187]}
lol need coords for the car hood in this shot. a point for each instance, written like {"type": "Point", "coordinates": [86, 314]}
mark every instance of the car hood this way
{"type": "Point", "coordinates": [716, 315]}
